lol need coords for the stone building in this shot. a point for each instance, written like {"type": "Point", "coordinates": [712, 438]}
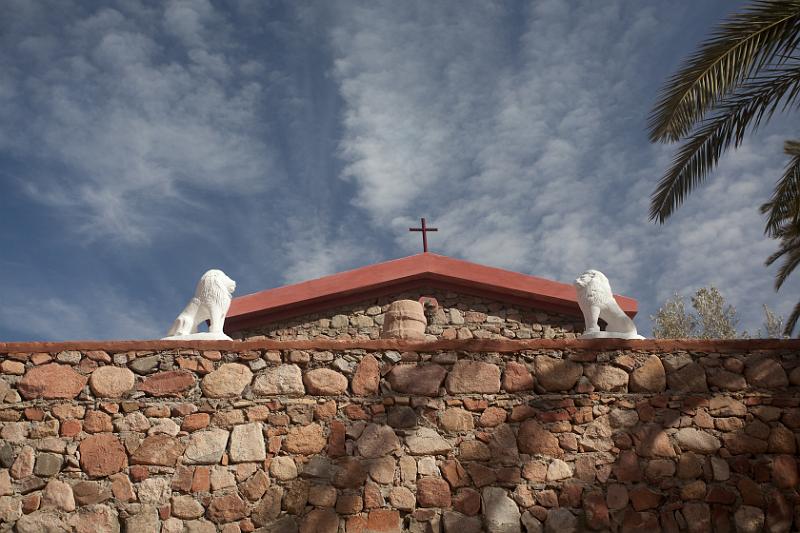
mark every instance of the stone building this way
{"type": "Point", "coordinates": [463, 301]}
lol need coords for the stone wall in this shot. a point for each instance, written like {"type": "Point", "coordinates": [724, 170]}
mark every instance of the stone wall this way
{"type": "Point", "coordinates": [457, 436]}
{"type": "Point", "coordinates": [457, 316]}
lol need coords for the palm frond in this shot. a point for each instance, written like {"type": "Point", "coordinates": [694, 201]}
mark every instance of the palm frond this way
{"type": "Point", "coordinates": [789, 251]}
{"type": "Point", "coordinates": [767, 33]}
{"type": "Point", "coordinates": [791, 323]}
{"type": "Point", "coordinates": [784, 204]}
{"type": "Point", "coordinates": [790, 262]}
{"type": "Point", "coordinates": [744, 110]}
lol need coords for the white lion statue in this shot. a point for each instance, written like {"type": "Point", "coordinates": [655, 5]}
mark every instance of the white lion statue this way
{"type": "Point", "coordinates": [597, 303]}
{"type": "Point", "coordinates": [211, 301]}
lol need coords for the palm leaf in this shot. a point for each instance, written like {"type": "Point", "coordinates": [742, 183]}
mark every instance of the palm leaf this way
{"type": "Point", "coordinates": [744, 110]}
{"type": "Point", "coordinates": [766, 33]}
{"type": "Point", "coordinates": [791, 323]}
{"type": "Point", "coordinates": [789, 250]}
{"type": "Point", "coordinates": [791, 254]}
{"type": "Point", "coordinates": [784, 204]}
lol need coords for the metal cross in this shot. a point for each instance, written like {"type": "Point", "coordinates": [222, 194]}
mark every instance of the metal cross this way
{"type": "Point", "coordinates": [424, 229]}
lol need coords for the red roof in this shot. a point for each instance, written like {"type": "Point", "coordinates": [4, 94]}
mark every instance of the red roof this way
{"type": "Point", "coordinates": [413, 272]}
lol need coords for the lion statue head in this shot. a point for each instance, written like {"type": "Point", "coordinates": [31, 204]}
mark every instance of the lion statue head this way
{"type": "Point", "coordinates": [215, 287]}
{"type": "Point", "coordinates": [593, 286]}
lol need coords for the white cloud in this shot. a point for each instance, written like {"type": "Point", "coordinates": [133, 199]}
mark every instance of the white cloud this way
{"type": "Point", "coordinates": [137, 129]}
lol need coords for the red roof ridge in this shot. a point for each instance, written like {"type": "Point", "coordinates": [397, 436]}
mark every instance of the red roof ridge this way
{"type": "Point", "coordinates": [402, 274]}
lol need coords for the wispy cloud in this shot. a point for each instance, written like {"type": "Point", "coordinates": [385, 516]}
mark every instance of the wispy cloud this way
{"type": "Point", "coordinates": [139, 112]}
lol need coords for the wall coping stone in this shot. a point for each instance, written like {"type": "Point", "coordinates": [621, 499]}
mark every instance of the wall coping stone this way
{"type": "Point", "coordinates": [470, 345]}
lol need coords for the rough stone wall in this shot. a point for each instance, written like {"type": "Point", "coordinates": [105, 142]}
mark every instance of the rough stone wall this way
{"type": "Point", "coordinates": [458, 316]}
{"type": "Point", "coordinates": [507, 436]}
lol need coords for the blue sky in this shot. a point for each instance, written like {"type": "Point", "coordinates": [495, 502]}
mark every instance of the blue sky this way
{"type": "Point", "coordinates": [142, 143]}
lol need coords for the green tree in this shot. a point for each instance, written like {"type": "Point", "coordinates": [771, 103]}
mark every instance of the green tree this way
{"type": "Point", "coordinates": [773, 324]}
{"type": "Point", "coordinates": [673, 321]}
{"type": "Point", "coordinates": [713, 318]}
{"type": "Point", "coordinates": [748, 69]}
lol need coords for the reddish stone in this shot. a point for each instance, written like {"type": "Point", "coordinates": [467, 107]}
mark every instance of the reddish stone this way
{"type": "Point", "coordinates": [475, 404]}
{"type": "Point", "coordinates": [764, 372]}
{"type": "Point", "coordinates": [41, 358]}
{"type": "Point", "coordinates": [170, 383]}
{"type": "Point", "coordinates": [481, 475]}
{"type": "Point", "coordinates": [226, 508]}
{"type": "Point", "coordinates": [547, 498]}
{"type": "Point", "coordinates": [740, 443]}
{"type": "Point", "coordinates": [102, 454]}
{"type": "Point", "coordinates": [517, 377]}
{"type": "Point", "coordinates": [433, 492]}
{"type": "Point", "coordinates": [255, 487]}
{"type": "Point", "coordinates": [627, 468]}
{"type": "Point", "coordinates": [195, 421]}
{"type": "Point", "coordinates": [97, 422]}
{"type": "Point", "coordinates": [784, 472]}
{"type": "Point", "coordinates": [325, 382]}
{"type": "Point", "coordinates": [349, 504]}
{"type": "Point", "coordinates": [454, 473]}
{"type": "Point", "coordinates": [373, 498]}
{"type": "Point", "coordinates": [355, 412]}
{"type": "Point", "coordinates": [34, 414]}
{"type": "Point", "coordinates": [751, 492]}
{"type": "Point", "coordinates": [645, 411]}
{"type": "Point", "coordinates": [367, 377]}
{"type": "Point", "coordinates": [356, 523]}
{"type": "Point", "coordinates": [98, 355]}
{"type": "Point", "coordinates": [617, 496]}
{"type": "Point", "coordinates": [51, 381]}
{"type": "Point", "coordinates": [493, 416]}
{"type": "Point", "coordinates": [417, 380]}
{"type": "Point", "coordinates": [467, 501]}
{"type": "Point", "coordinates": [634, 522]}
{"type": "Point", "coordinates": [325, 411]}
{"type": "Point", "coordinates": [161, 450]}
{"type": "Point", "coordinates": [534, 438]}
{"type": "Point", "coordinates": [571, 494]}
{"type": "Point", "coordinates": [698, 516]}
{"type": "Point", "coordinates": [201, 481]}
{"type": "Point", "coordinates": [349, 474]}
{"type": "Point", "coordinates": [384, 521]}
{"type": "Point", "coordinates": [594, 505]}
{"type": "Point", "coordinates": [31, 502]}
{"type": "Point", "coordinates": [473, 377]}
{"type": "Point", "coordinates": [70, 428]}
{"type": "Point", "coordinates": [138, 473]}
{"type": "Point", "coordinates": [182, 479]}
{"type": "Point", "coordinates": [336, 439]}
{"type": "Point", "coordinates": [720, 494]}
{"type": "Point", "coordinates": [721, 519]}
{"type": "Point", "coordinates": [779, 513]}
{"type": "Point", "coordinates": [305, 440]}
{"type": "Point", "coordinates": [643, 498]}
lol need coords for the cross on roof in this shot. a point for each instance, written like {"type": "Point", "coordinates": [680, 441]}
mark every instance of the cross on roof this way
{"type": "Point", "coordinates": [424, 229]}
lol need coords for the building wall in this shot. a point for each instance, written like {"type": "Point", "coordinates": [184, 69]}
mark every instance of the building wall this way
{"type": "Point", "coordinates": [458, 316]}
{"type": "Point", "coordinates": [454, 436]}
